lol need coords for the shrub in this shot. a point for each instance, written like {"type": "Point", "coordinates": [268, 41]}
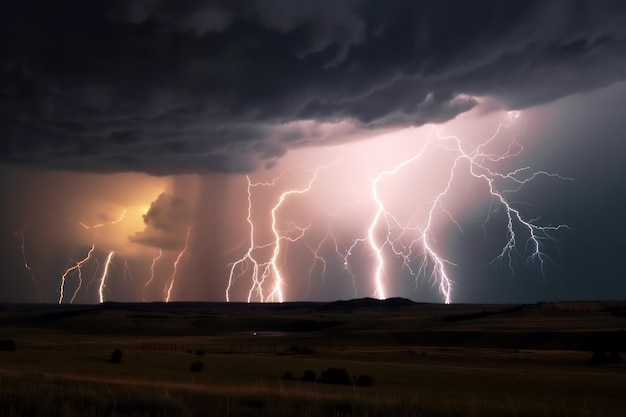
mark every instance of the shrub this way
{"type": "Point", "coordinates": [337, 376]}
{"type": "Point", "coordinates": [196, 367]}
{"type": "Point", "coordinates": [200, 352]}
{"type": "Point", "coordinates": [288, 376]}
{"type": "Point", "coordinates": [598, 357]}
{"type": "Point", "coordinates": [116, 356]}
{"type": "Point", "coordinates": [364, 381]}
{"type": "Point", "coordinates": [309, 376]}
{"type": "Point", "coordinates": [7, 345]}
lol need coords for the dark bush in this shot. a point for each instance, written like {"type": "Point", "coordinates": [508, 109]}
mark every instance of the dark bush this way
{"type": "Point", "coordinates": [337, 376]}
{"type": "Point", "coordinates": [116, 356]}
{"type": "Point", "coordinates": [306, 351]}
{"type": "Point", "coordinates": [288, 376]}
{"type": "Point", "coordinates": [309, 376]}
{"type": "Point", "coordinates": [293, 349]}
{"type": "Point", "coordinates": [196, 367]}
{"type": "Point", "coordinates": [7, 345]}
{"type": "Point", "coordinates": [364, 381]}
{"type": "Point", "coordinates": [600, 356]}
{"type": "Point", "coordinates": [200, 352]}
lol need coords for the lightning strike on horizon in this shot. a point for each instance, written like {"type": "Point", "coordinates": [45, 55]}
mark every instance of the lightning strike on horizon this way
{"type": "Point", "coordinates": [26, 264]}
{"type": "Point", "coordinates": [270, 268]}
{"type": "Point", "coordinates": [477, 169]}
{"type": "Point", "coordinates": [105, 274]}
{"type": "Point", "coordinates": [152, 266]}
{"type": "Point", "coordinates": [77, 267]}
{"type": "Point", "coordinates": [408, 241]}
{"type": "Point", "coordinates": [170, 286]}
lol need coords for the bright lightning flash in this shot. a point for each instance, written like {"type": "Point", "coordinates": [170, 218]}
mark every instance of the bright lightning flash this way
{"type": "Point", "coordinates": [407, 240]}
{"type": "Point", "coordinates": [172, 281]}
{"type": "Point", "coordinates": [152, 272]}
{"type": "Point", "coordinates": [270, 268]}
{"type": "Point", "coordinates": [77, 267]}
{"type": "Point", "coordinates": [105, 274]}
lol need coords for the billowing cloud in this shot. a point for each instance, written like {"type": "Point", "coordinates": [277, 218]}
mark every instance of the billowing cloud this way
{"type": "Point", "coordinates": [169, 217]}
{"type": "Point", "coordinates": [199, 86]}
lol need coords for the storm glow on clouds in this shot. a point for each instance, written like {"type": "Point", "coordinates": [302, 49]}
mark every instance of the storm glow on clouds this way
{"type": "Point", "coordinates": [278, 151]}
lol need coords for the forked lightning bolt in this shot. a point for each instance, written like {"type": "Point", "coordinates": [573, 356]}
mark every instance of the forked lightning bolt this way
{"type": "Point", "coordinates": [172, 281]}
{"type": "Point", "coordinates": [99, 225]}
{"type": "Point", "coordinates": [152, 272]}
{"type": "Point", "coordinates": [408, 241]}
{"type": "Point", "coordinates": [476, 167]}
{"type": "Point", "coordinates": [270, 268]}
{"type": "Point", "coordinates": [77, 267]}
{"type": "Point", "coordinates": [26, 264]}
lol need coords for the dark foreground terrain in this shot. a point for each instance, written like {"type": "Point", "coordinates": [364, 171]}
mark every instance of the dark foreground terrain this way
{"type": "Point", "coordinates": [346, 358]}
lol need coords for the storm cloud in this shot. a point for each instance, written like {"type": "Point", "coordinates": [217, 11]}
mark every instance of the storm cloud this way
{"type": "Point", "coordinates": [169, 87]}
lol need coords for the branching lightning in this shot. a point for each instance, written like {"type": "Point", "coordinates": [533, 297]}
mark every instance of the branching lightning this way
{"type": "Point", "coordinates": [152, 272]}
{"type": "Point", "coordinates": [27, 266]}
{"type": "Point", "coordinates": [408, 241]}
{"type": "Point", "coordinates": [99, 225]}
{"type": "Point", "coordinates": [77, 267]}
{"type": "Point", "coordinates": [172, 281]}
{"type": "Point", "coordinates": [261, 271]}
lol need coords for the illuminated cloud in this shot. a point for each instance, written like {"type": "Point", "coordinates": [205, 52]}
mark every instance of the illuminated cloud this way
{"type": "Point", "coordinates": [168, 88]}
{"type": "Point", "coordinates": [94, 95]}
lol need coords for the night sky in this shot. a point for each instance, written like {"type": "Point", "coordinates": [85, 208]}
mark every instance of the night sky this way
{"type": "Point", "coordinates": [279, 150]}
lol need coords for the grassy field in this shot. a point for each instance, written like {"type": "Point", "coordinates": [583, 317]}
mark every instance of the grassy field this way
{"type": "Point", "coordinates": [425, 360]}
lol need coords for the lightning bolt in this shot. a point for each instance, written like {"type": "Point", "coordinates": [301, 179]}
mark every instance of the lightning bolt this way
{"type": "Point", "coordinates": [20, 233]}
{"type": "Point", "coordinates": [152, 266]}
{"type": "Point", "coordinates": [99, 225]}
{"type": "Point", "coordinates": [261, 271]}
{"type": "Point", "coordinates": [105, 273]}
{"type": "Point", "coordinates": [475, 163]}
{"type": "Point", "coordinates": [168, 291]}
{"type": "Point", "coordinates": [77, 267]}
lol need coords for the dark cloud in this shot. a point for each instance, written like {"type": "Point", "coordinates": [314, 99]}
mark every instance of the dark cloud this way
{"type": "Point", "coordinates": [166, 221]}
{"type": "Point", "coordinates": [197, 86]}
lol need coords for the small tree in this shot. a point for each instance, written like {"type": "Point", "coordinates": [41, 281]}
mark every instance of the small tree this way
{"type": "Point", "coordinates": [337, 376]}
{"type": "Point", "coordinates": [196, 367]}
{"type": "Point", "coordinates": [288, 376]}
{"type": "Point", "coordinates": [309, 376]}
{"type": "Point", "coordinates": [364, 381]}
{"type": "Point", "coordinates": [116, 356]}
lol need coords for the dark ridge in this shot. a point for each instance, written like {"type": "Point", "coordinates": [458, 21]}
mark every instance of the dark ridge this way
{"type": "Point", "coordinates": [366, 303]}
{"type": "Point", "coordinates": [484, 313]}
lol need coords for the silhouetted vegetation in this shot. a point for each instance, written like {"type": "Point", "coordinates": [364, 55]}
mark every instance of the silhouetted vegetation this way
{"type": "Point", "coordinates": [297, 350]}
{"type": "Point", "coordinates": [338, 376]}
{"type": "Point", "coordinates": [7, 345]}
{"type": "Point", "coordinates": [116, 356]}
{"type": "Point", "coordinates": [600, 357]}
{"type": "Point", "coordinates": [309, 376]}
{"type": "Point", "coordinates": [364, 381]}
{"type": "Point", "coordinates": [288, 376]}
{"type": "Point", "coordinates": [196, 367]}
{"type": "Point", "coordinates": [199, 352]}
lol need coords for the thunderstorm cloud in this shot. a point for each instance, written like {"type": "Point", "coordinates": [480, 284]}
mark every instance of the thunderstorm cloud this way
{"type": "Point", "coordinates": [169, 87]}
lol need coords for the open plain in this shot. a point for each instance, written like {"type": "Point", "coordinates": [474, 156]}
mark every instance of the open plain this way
{"type": "Point", "coordinates": [546, 359]}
